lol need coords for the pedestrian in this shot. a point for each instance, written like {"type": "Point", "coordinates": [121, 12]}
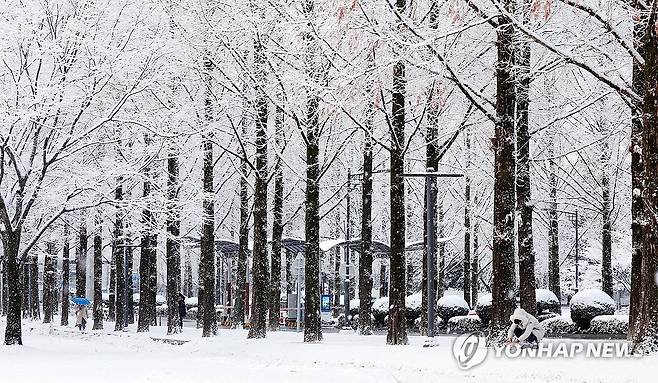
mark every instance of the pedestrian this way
{"type": "Point", "coordinates": [525, 329]}
{"type": "Point", "coordinates": [81, 317]}
{"type": "Point", "coordinates": [182, 310]}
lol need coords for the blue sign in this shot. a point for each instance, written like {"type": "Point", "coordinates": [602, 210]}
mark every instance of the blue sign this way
{"type": "Point", "coordinates": [325, 303]}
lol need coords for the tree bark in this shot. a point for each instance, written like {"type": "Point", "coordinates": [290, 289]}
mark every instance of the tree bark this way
{"type": "Point", "coordinates": [173, 244]}
{"type": "Point", "coordinates": [527, 284]}
{"type": "Point", "coordinates": [637, 174]}
{"type": "Point", "coordinates": [49, 282]}
{"type": "Point", "coordinates": [466, 268]}
{"type": "Point", "coordinates": [277, 226]}
{"type": "Point", "coordinates": [207, 260]}
{"type": "Point", "coordinates": [98, 276]}
{"type": "Point", "coordinates": [646, 330]}
{"type": "Point", "coordinates": [366, 256]}
{"type": "Point", "coordinates": [312, 323]}
{"type": "Point", "coordinates": [119, 259]}
{"type": "Point", "coordinates": [475, 265]}
{"type": "Point", "coordinates": [606, 232]}
{"type": "Point", "coordinates": [397, 329]}
{"type": "Point", "coordinates": [553, 227]}
{"type": "Point", "coordinates": [66, 252]}
{"type": "Point", "coordinates": [504, 196]}
{"type": "Point", "coordinates": [13, 333]}
{"type": "Point", "coordinates": [243, 242]}
{"type": "Point", "coordinates": [261, 275]}
{"type": "Point", "coordinates": [81, 261]}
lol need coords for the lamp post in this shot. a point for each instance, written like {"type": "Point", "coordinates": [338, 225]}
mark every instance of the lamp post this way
{"type": "Point", "coordinates": [430, 187]}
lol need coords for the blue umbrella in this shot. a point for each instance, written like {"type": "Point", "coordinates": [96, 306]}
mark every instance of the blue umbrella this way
{"type": "Point", "coordinates": [81, 301]}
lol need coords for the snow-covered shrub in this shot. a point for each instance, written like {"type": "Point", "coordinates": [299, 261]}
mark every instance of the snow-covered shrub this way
{"type": "Point", "coordinates": [464, 323]}
{"type": "Point", "coordinates": [380, 312]}
{"type": "Point", "coordinates": [587, 304]}
{"type": "Point", "coordinates": [413, 305]}
{"type": "Point", "coordinates": [544, 316]}
{"type": "Point", "coordinates": [559, 325]}
{"type": "Point", "coordinates": [355, 304]}
{"type": "Point", "coordinates": [483, 308]}
{"type": "Point", "coordinates": [438, 323]}
{"type": "Point", "coordinates": [355, 321]}
{"type": "Point", "coordinates": [547, 301]}
{"type": "Point", "coordinates": [192, 302]}
{"type": "Point", "coordinates": [451, 306]}
{"type": "Point", "coordinates": [609, 324]}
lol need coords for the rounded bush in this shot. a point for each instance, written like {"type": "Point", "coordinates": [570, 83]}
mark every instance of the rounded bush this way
{"type": "Point", "coordinates": [464, 323]}
{"type": "Point", "coordinates": [413, 309]}
{"type": "Point", "coordinates": [609, 324]}
{"type": "Point", "coordinates": [380, 312]}
{"type": "Point", "coordinates": [451, 306]}
{"type": "Point", "coordinates": [587, 304]}
{"type": "Point", "coordinates": [483, 308]}
{"type": "Point", "coordinates": [559, 325]}
{"type": "Point", "coordinates": [547, 301]}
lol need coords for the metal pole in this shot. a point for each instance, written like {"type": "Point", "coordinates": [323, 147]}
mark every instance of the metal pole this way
{"type": "Point", "coordinates": [429, 188]}
{"type": "Point", "coordinates": [577, 276]}
{"type": "Point", "coordinates": [347, 252]}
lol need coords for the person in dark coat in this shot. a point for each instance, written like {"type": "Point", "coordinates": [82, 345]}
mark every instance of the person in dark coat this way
{"type": "Point", "coordinates": [182, 310]}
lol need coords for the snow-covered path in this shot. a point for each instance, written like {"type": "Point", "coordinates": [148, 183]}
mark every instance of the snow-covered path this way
{"type": "Point", "coordinates": [65, 354]}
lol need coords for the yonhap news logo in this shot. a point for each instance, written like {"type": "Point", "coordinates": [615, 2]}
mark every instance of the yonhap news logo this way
{"type": "Point", "coordinates": [470, 350]}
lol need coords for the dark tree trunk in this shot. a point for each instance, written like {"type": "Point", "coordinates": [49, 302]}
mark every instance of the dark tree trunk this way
{"type": "Point", "coordinates": [81, 261]}
{"type": "Point", "coordinates": [153, 277]}
{"type": "Point", "coordinates": [66, 287]}
{"type": "Point", "coordinates": [35, 310]}
{"type": "Point", "coordinates": [504, 169]}
{"type": "Point", "coordinates": [277, 226]}
{"type": "Point", "coordinates": [441, 258]}
{"type": "Point", "coordinates": [113, 280]}
{"type": "Point", "coordinates": [13, 332]}
{"type": "Point", "coordinates": [366, 255]}
{"type": "Point", "coordinates": [466, 265]}
{"type": "Point", "coordinates": [207, 259]}
{"type": "Point", "coordinates": [646, 327]}
{"type": "Point", "coordinates": [173, 245]}
{"type": "Point", "coordinates": [475, 265]}
{"type": "Point", "coordinates": [527, 284]}
{"type": "Point", "coordinates": [119, 259]}
{"type": "Point", "coordinates": [606, 232]}
{"type": "Point", "coordinates": [312, 323]}
{"type": "Point", "coordinates": [144, 318]}
{"type": "Point", "coordinates": [261, 274]}
{"type": "Point", "coordinates": [637, 171]}
{"type": "Point", "coordinates": [553, 228]}
{"type": "Point", "coordinates": [49, 282]}
{"type": "Point", "coordinates": [243, 243]}
{"type": "Point", "coordinates": [188, 290]}
{"type": "Point", "coordinates": [98, 276]}
{"type": "Point", "coordinates": [130, 303]}
{"type": "Point", "coordinates": [397, 330]}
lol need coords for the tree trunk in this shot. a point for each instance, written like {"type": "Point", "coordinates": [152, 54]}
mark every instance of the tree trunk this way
{"type": "Point", "coordinates": [261, 273]}
{"type": "Point", "coordinates": [365, 261]}
{"type": "Point", "coordinates": [119, 259]}
{"type": "Point", "coordinates": [81, 261]}
{"type": "Point", "coordinates": [66, 288]}
{"type": "Point", "coordinates": [130, 303]}
{"type": "Point", "coordinates": [35, 310]}
{"type": "Point", "coordinates": [606, 232]}
{"type": "Point", "coordinates": [646, 330]}
{"type": "Point", "coordinates": [243, 242]}
{"type": "Point", "coordinates": [397, 329]}
{"type": "Point", "coordinates": [277, 226]}
{"type": "Point", "coordinates": [467, 221]}
{"type": "Point", "coordinates": [207, 260]}
{"type": "Point", "coordinates": [475, 265]}
{"type": "Point", "coordinates": [441, 258]}
{"type": "Point", "coordinates": [13, 332]}
{"type": "Point", "coordinates": [527, 284]}
{"type": "Point", "coordinates": [637, 171]}
{"type": "Point", "coordinates": [49, 282]}
{"type": "Point", "coordinates": [553, 227]}
{"type": "Point", "coordinates": [173, 244]}
{"type": "Point", "coordinates": [504, 169]}
{"type": "Point", "coordinates": [98, 276]}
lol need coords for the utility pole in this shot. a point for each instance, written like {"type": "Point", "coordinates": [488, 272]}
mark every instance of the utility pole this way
{"type": "Point", "coordinates": [430, 186]}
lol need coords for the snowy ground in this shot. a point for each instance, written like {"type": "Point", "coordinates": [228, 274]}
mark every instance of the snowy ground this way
{"type": "Point", "coordinates": [63, 354]}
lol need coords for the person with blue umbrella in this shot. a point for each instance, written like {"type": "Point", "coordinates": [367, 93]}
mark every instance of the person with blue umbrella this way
{"type": "Point", "coordinates": [81, 312]}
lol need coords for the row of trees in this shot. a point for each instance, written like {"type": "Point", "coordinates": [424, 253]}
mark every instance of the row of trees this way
{"type": "Point", "coordinates": [110, 124]}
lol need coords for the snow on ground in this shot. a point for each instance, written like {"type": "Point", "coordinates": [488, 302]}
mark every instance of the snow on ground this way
{"type": "Point", "coordinates": [65, 355]}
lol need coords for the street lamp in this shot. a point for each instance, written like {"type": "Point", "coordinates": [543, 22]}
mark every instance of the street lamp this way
{"type": "Point", "coordinates": [430, 187]}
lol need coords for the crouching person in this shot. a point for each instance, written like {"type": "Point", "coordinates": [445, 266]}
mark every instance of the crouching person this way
{"type": "Point", "coordinates": [525, 329]}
